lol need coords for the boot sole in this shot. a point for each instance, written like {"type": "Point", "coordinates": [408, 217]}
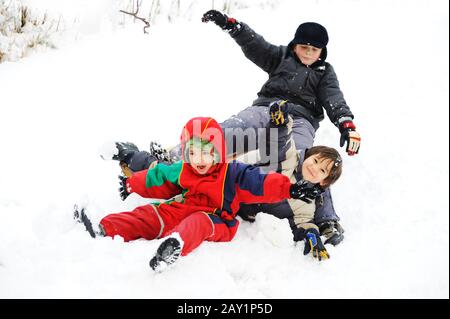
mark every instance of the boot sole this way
{"type": "Point", "coordinates": [167, 253]}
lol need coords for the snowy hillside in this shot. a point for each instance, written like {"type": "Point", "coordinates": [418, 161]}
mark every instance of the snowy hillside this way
{"type": "Point", "coordinates": [60, 108]}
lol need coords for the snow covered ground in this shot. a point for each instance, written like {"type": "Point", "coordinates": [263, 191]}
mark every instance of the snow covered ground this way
{"type": "Point", "coordinates": [60, 108]}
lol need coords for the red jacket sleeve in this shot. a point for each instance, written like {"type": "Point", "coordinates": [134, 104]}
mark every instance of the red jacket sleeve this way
{"type": "Point", "coordinates": [154, 183]}
{"type": "Point", "coordinates": [254, 186]}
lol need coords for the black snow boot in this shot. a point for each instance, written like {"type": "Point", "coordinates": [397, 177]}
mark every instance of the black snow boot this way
{"type": "Point", "coordinates": [125, 151]}
{"type": "Point", "coordinates": [167, 253]}
{"type": "Point", "coordinates": [333, 231]}
{"type": "Point", "coordinates": [160, 153]}
{"type": "Point", "coordinates": [132, 160]}
{"type": "Point", "coordinates": [80, 216]}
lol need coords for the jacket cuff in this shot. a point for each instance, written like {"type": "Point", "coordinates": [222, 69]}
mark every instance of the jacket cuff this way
{"type": "Point", "coordinates": [136, 183]}
{"type": "Point", "coordinates": [343, 119]}
{"type": "Point", "coordinates": [299, 234]}
{"type": "Point", "coordinates": [347, 125]}
{"type": "Point", "coordinates": [241, 33]}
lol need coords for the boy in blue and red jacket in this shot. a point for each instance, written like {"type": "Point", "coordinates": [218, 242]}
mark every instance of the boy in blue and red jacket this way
{"type": "Point", "coordinates": [204, 194]}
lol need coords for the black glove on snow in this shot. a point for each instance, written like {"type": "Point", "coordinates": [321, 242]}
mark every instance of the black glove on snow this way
{"type": "Point", "coordinates": [123, 191]}
{"type": "Point", "coordinates": [314, 243]}
{"type": "Point", "coordinates": [248, 212]}
{"type": "Point", "coordinates": [305, 191]}
{"type": "Point", "coordinates": [279, 112]}
{"type": "Point", "coordinates": [222, 20]}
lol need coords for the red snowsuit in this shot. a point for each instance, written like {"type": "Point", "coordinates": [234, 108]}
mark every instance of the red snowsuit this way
{"type": "Point", "coordinates": [209, 202]}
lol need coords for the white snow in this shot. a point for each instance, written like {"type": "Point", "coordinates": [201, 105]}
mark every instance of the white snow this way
{"type": "Point", "coordinates": [58, 109]}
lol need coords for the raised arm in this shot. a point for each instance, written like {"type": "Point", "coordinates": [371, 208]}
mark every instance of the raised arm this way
{"type": "Point", "coordinates": [265, 55]}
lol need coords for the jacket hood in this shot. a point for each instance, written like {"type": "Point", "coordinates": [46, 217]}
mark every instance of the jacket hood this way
{"type": "Point", "coordinates": [206, 129]}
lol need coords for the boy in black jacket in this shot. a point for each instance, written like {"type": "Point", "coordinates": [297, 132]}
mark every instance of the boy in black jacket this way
{"type": "Point", "coordinates": [297, 73]}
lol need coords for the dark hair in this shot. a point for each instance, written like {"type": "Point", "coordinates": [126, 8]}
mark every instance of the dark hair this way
{"type": "Point", "coordinates": [330, 153]}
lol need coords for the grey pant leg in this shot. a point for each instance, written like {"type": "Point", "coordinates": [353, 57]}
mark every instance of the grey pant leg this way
{"type": "Point", "coordinates": [242, 130]}
{"type": "Point", "coordinates": [325, 211]}
{"type": "Point", "coordinates": [303, 135]}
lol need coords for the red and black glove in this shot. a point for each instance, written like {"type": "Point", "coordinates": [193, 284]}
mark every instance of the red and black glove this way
{"type": "Point", "coordinates": [349, 135]}
{"type": "Point", "coordinates": [222, 20]}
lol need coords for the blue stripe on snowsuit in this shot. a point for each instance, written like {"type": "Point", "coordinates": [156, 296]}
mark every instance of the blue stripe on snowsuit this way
{"type": "Point", "coordinates": [217, 220]}
{"type": "Point", "coordinates": [246, 177]}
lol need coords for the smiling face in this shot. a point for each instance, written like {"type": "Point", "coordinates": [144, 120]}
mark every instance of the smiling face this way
{"type": "Point", "coordinates": [307, 53]}
{"type": "Point", "coordinates": [316, 169]}
{"type": "Point", "coordinates": [201, 157]}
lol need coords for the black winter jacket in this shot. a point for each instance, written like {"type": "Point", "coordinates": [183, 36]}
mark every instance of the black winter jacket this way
{"type": "Point", "coordinates": [309, 90]}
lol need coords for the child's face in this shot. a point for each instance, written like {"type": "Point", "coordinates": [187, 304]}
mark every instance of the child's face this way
{"type": "Point", "coordinates": [201, 159]}
{"type": "Point", "coordinates": [307, 53]}
{"type": "Point", "coordinates": [316, 169]}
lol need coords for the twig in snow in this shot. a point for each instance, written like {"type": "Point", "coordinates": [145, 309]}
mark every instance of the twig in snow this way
{"type": "Point", "coordinates": [147, 24]}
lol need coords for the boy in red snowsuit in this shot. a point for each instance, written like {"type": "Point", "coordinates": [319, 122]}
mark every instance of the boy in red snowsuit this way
{"type": "Point", "coordinates": [204, 194]}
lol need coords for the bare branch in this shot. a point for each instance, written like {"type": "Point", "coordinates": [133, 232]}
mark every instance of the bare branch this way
{"type": "Point", "coordinates": [147, 24]}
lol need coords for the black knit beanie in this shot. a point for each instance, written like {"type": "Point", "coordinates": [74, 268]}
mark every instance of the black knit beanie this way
{"type": "Point", "coordinates": [311, 33]}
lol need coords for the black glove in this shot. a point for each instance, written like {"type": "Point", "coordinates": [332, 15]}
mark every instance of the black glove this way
{"type": "Point", "coordinates": [279, 112]}
{"type": "Point", "coordinates": [349, 135]}
{"type": "Point", "coordinates": [126, 152]}
{"type": "Point", "coordinates": [248, 212]}
{"type": "Point", "coordinates": [305, 191]}
{"type": "Point", "coordinates": [222, 20]}
{"type": "Point", "coordinates": [123, 189]}
{"type": "Point", "coordinates": [314, 243]}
